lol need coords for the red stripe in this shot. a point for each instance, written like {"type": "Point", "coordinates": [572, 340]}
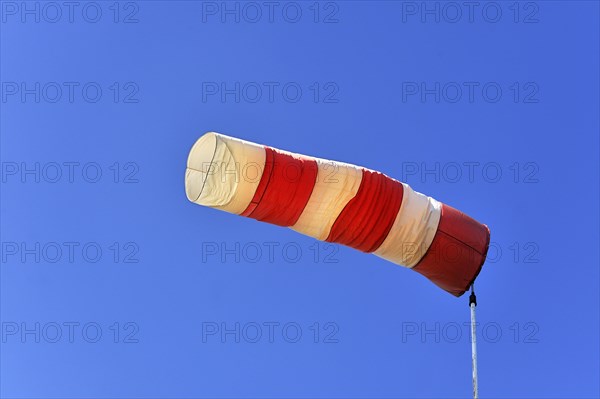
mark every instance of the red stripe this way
{"type": "Point", "coordinates": [262, 184]}
{"type": "Point", "coordinates": [284, 188]}
{"type": "Point", "coordinates": [366, 220]}
{"type": "Point", "coordinates": [457, 252]}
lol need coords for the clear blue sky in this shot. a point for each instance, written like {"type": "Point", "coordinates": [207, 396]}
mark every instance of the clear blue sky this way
{"type": "Point", "coordinates": [113, 285]}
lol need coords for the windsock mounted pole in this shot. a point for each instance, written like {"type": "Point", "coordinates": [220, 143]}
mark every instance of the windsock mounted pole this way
{"type": "Point", "coordinates": [472, 304]}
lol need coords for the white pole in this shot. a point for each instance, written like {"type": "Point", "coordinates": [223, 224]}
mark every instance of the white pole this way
{"type": "Point", "coordinates": [472, 304]}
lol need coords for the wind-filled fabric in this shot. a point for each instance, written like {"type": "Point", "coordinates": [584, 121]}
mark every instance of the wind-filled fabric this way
{"type": "Point", "coordinates": [340, 203]}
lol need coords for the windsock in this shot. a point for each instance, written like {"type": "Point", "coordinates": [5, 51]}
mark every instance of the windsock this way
{"type": "Point", "coordinates": [339, 203]}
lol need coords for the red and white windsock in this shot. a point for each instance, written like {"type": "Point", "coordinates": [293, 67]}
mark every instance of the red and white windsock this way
{"type": "Point", "coordinates": [340, 203]}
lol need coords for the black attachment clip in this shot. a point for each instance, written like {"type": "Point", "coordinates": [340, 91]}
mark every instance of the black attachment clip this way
{"type": "Point", "coordinates": [472, 297]}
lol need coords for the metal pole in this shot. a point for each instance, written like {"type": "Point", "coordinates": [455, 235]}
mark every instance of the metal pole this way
{"type": "Point", "coordinates": [472, 304]}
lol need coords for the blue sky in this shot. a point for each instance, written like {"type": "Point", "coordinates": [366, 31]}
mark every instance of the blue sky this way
{"type": "Point", "coordinates": [113, 285]}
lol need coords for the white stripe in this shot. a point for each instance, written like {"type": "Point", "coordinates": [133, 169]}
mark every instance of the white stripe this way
{"type": "Point", "coordinates": [413, 230]}
{"type": "Point", "coordinates": [337, 183]}
{"type": "Point", "coordinates": [223, 172]}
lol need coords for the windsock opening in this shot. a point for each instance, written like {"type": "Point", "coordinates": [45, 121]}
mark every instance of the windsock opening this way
{"type": "Point", "coordinates": [223, 172]}
{"type": "Point", "coordinates": [198, 165]}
